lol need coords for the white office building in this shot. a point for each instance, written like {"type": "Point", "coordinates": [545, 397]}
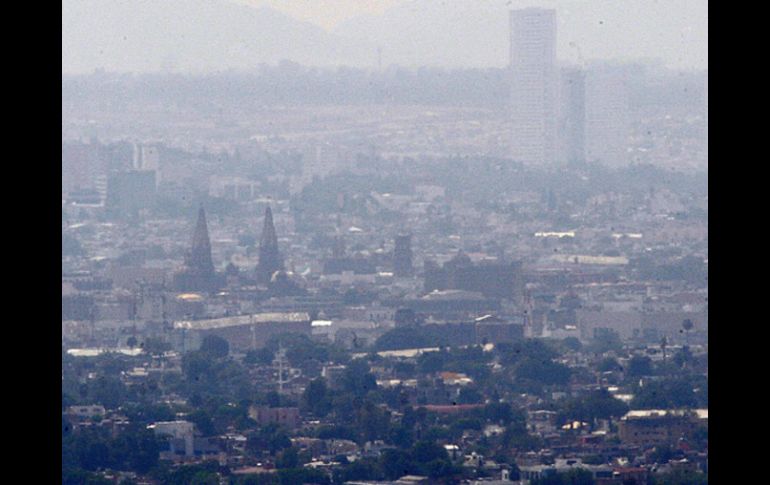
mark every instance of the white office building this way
{"type": "Point", "coordinates": [533, 85]}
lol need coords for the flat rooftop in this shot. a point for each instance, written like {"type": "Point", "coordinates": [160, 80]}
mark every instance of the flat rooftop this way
{"type": "Point", "coordinates": [660, 413]}
{"type": "Point", "coordinates": [236, 321]}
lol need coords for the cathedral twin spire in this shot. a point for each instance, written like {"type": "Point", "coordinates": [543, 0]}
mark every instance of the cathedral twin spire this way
{"type": "Point", "coordinates": [270, 259]}
{"type": "Point", "coordinates": [198, 273]}
{"type": "Point", "coordinates": [198, 270]}
{"type": "Point", "coordinates": [199, 258]}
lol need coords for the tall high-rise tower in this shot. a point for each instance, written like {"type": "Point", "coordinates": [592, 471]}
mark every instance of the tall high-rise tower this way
{"type": "Point", "coordinates": [533, 85]}
{"type": "Point", "coordinates": [269, 258]}
{"type": "Point", "coordinates": [197, 273]}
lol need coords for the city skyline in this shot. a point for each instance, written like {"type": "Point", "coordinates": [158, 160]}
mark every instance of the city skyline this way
{"type": "Point", "coordinates": [467, 259]}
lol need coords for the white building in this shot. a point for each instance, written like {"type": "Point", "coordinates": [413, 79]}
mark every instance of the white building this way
{"type": "Point", "coordinates": [85, 412]}
{"type": "Point", "coordinates": [177, 430]}
{"type": "Point", "coordinates": [533, 85]}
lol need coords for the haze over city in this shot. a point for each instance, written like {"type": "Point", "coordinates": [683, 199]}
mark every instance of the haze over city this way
{"type": "Point", "coordinates": [385, 242]}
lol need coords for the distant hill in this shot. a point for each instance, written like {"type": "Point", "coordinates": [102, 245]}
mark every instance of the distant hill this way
{"type": "Point", "coordinates": [193, 35]}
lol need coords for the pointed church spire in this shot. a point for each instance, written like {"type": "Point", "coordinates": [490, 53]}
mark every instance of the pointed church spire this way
{"type": "Point", "coordinates": [268, 239]}
{"type": "Point", "coordinates": [269, 258]}
{"type": "Point", "coordinates": [199, 258]}
{"type": "Point", "coordinates": [197, 273]}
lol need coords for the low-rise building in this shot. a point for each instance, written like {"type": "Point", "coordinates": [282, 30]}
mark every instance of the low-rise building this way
{"type": "Point", "coordinates": [649, 427]}
{"type": "Point", "coordinates": [243, 332]}
{"type": "Point", "coordinates": [285, 416]}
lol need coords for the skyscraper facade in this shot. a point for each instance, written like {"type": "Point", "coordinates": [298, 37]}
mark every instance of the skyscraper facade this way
{"type": "Point", "coordinates": [533, 85]}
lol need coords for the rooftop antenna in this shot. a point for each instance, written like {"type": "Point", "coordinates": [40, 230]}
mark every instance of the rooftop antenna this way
{"type": "Point", "coordinates": [581, 61]}
{"type": "Point", "coordinates": [253, 333]}
{"type": "Point", "coordinates": [279, 359]}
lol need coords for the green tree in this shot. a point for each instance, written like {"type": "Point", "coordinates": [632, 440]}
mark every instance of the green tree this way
{"type": "Point", "coordinates": [337, 432]}
{"type": "Point", "coordinates": [682, 357]}
{"type": "Point", "coordinates": [609, 365]}
{"type": "Point", "coordinates": [315, 398]}
{"type": "Point", "coordinates": [147, 413]}
{"type": "Point", "coordinates": [108, 391]}
{"type": "Point", "coordinates": [263, 356]}
{"type": "Point", "coordinates": [271, 438]}
{"type": "Point", "coordinates": [155, 346]}
{"type": "Point", "coordinates": [372, 421]}
{"type": "Point", "coordinates": [682, 477]}
{"type": "Point", "coordinates": [214, 346]}
{"type": "Point", "coordinates": [590, 407]}
{"type": "Point", "coordinates": [137, 448]}
{"type": "Point", "coordinates": [543, 371]}
{"type": "Point", "coordinates": [665, 394]}
{"type": "Point", "coordinates": [498, 412]}
{"type": "Point", "coordinates": [573, 477]}
{"type": "Point", "coordinates": [361, 469]}
{"type": "Point", "coordinates": [639, 366]}
{"type": "Point", "coordinates": [534, 349]}
{"type": "Point", "coordinates": [292, 476]}
{"type": "Point", "coordinates": [408, 337]}
{"type": "Point", "coordinates": [203, 474]}
{"type": "Point", "coordinates": [94, 454]}
{"type": "Point", "coordinates": [288, 458]}
{"type": "Point", "coordinates": [76, 476]}
{"type": "Point", "coordinates": [396, 463]}
{"type": "Point", "coordinates": [196, 366]}
{"type": "Point", "coordinates": [426, 451]}
{"type": "Point", "coordinates": [357, 378]}
{"type": "Point", "coordinates": [661, 454]}
{"type": "Point", "coordinates": [430, 362]}
{"type": "Point", "coordinates": [401, 436]}
{"type": "Point", "coordinates": [202, 421]}
{"type": "Point", "coordinates": [255, 479]}
{"type": "Point", "coordinates": [572, 343]}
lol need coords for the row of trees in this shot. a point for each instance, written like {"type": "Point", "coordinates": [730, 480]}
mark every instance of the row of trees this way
{"type": "Point", "coordinates": [135, 449]}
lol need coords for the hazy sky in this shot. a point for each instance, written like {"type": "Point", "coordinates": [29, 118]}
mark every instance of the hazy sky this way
{"type": "Point", "coordinates": [204, 35]}
{"type": "Point", "coordinates": [676, 31]}
{"type": "Point", "coordinates": [326, 13]}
